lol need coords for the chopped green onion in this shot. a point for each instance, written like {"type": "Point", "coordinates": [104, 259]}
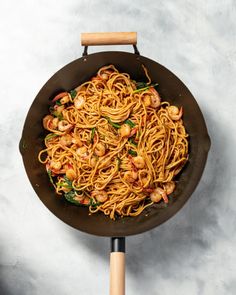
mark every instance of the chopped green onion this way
{"type": "Point", "coordinates": [115, 125]}
{"type": "Point", "coordinates": [132, 153]}
{"type": "Point", "coordinates": [73, 93]}
{"type": "Point", "coordinates": [144, 88]}
{"type": "Point", "coordinates": [130, 123]}
{"type": "Point", "coordinates": [93, 204]}
{"type": "Point", "coordinates": [50, 135]}
{"type": "Point", "coordinates": [132, 141]}
{"type": "Point", "coordinates": [50, 176]}
{"type": "Point", "coordinates": [118, 163]}
{"type": "Point", "coordinates": [92, 134]}
{"type": "Point", "coordinates": [58, 115]}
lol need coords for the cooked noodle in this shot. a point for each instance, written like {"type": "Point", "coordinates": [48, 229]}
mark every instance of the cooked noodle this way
{"type": "Point", "coordinates": [114, 145]}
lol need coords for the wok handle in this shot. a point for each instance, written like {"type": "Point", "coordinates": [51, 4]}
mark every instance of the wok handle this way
{"type": "Point", "coordinates": [111, 38]}
{"type": "Point", "coordinates": [117, 266]}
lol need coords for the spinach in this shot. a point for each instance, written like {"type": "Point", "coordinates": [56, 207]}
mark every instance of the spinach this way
{"type": "Point", "coordinates": [132, 153]}
{"type": "Point", "coordinates": [73, 93]}
{"type": "Point", "coordinates": [70, 197]}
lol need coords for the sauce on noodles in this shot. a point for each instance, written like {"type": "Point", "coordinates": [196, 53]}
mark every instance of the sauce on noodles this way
{"type": "Point", "coordinates": [114, 145]}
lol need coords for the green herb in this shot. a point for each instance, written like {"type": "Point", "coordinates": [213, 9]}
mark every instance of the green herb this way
{"type": "Point", "coordinates": [140, 85]}
{"type": "Point", "coordinates": [118, 163]}
{"type": "Point", "coordinates": [132, 153]}
{"type": "Point", "coordinates": [73, 93]}
{"type": "Point", "coordinates": [50, 135]}
{"type": "Point", "coordinates": [93, 204]}
{"type": "Point", "coordinates": [115, 125]}
{"type": "Point", "coordinates": [68, 182]}
{"type": "Point", "coordinates": [70, 196]}
{"type": "Point", "coordinates": [130, 123]}
{"type": "Point", "coordinates": [132, 141]}
{"type": "Point", "coordinates": [92, 134]}
{"type": "Point", "coordinates": [144, 88]}
{"type": "Point", "coordinates": [58, 103]}
{"type": "Point", "coordinates": [50, 176]}
{"type": "Point", "coordinates": [58, 115]}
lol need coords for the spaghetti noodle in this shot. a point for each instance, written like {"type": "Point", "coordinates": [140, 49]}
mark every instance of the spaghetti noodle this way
{"type": "Point", "coordinates": [113, 145]}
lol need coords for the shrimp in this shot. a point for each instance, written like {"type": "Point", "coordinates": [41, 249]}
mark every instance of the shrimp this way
{"type": "Point", "coordinates": [55, 165]}
{"type": "Point", "coordinates": [169, 187]}
{"type": "Point", "coordinates": [175, 113]}
{"type": "Point", "coordinates": [138, 162]}
{"type": "Point", "coordinates": [82, 151]}
{"type": "Point", "coordinates": [158, 194]}
{"type": "Point", "coordinates": [64, 125]}
{"type": "Point", "coordinates": [47, 120]}
{"type": "Point", "coordinates": [66, 140]}
{"type": "Point", "coordinates": [100, 196]}
{"type": "Point", "coordinates": [130, 176]}
{"type": "Point", "coordinates": [147, 100]}
{"type": "Point", "coordinates": [65, 99]}
{"type": "Point", "coordinates": [155, 98]}
{"type": "Point", "coordinates": [100, 149]}
{"type": "Point", "coordinates": [79, 102]}
{"type": "Point", "coordinates": [71, 174]}
{"type": "Point", "coordinates": [125, 130]}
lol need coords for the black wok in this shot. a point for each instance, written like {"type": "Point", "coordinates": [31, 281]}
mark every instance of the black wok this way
{"type": "Point", "coordinates": [170, 88]}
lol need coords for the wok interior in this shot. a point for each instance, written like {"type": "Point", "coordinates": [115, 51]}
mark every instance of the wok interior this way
{"type": "Point", "coordinates": [170, 89]}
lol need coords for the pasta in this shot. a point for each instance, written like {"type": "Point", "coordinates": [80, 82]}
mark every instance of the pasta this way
{"type": "Point", "coordinates": [114, 145]}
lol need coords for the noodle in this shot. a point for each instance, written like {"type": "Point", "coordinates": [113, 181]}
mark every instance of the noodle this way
{"type": "Point", "coordinates": [113, 145]}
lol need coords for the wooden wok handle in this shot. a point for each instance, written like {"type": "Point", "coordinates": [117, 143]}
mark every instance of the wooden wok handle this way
{"type": "Point", "coordinates": [111, 38]}
{"type": "Point", "coordinates": [117, 266]}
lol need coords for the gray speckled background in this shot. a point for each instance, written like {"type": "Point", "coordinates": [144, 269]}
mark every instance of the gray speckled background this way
{"type": "Point", "coordinates": [194, 252]}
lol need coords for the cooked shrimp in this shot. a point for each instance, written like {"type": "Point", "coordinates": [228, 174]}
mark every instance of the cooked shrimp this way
{"type": "Point", "coordinates": [155, 98]}
{"type": "Point", "coordinates": [125, 130]}
{"type": "Point", "coordinates": [55, 122]}
{"type": "Point", "coordinates": [82, 151]}
{"type": "Point", "coordinates": [169, 187]}
{"type": "Point", "coordinates": [64, 125]}
{"type": "Point", "coordinates": [93, 161]}
{"type": "Point", "coordinates": [100, 196]}
{"type": "Point", "coordinates": [130, 176]}
{"type": "Point", "coordinates": [56, 165]}
{"type": "Point", "coordinates": [47, 120]}
{"type": "Point", "coordinates": [100, 149]}
{"type": "Point", "coordinates": [138, 162]}
{"type": "Point", "coordinates": [158, 194]}
{"type": "Point", "coordinates": [174, 112]}
{"type": "Point", "coordinates": [147, 100]}
{"type": "Point", "coordinates": [66, 140]}
{"type": "Point", "coordinates": [79, 102]}
{"type": "Point", "coordinates": [71, 174]}
{"type": "Point", "coordinates": [65, 99]}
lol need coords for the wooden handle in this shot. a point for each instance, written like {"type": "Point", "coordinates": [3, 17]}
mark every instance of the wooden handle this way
{"type": "Point", "coordinates": [115, 38]}
{"type": "Point", "coordinates": [117, 273]}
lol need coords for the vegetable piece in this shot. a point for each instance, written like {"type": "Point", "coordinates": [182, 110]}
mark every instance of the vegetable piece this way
{"type": "Point", "coordinates": [92, 134]}
{"type": "Point", "coordinates": [130, 123]}
{"type": "Point", "coordinates": [73, 93]}
{"type": "Point", "coordinates": [145, 88]}
{"type": "Point", "coordinates": [115, 125]}
{"type": "Point", "coordinates": [70, 197]}
{"type": "Point", "coordinates": [50, 135]}
{"type": "Point", "coordinates": [50, 176]}
{"type": "Point", "coordinates": [132, 153]}
{"type": "Point", "coordinates": [93, 204]}
{"type": "Point", "coordinates": [58, 103]}
{"type": "Point", "coordinates": [58, 115]}
{"type": "Point", "coordinates": [132, 141]}
{"type": "Point", "coordinates": [118, 163]}
{"type": "Point", "coordinates": [60, 95]}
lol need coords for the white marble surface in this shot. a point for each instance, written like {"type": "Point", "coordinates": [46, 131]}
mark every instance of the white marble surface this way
{"type": "Point", "coordinates": [194, 252]}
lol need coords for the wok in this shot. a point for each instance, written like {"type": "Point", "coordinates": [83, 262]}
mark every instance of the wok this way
{"type": "Point", "coordinates": [170, 89]}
